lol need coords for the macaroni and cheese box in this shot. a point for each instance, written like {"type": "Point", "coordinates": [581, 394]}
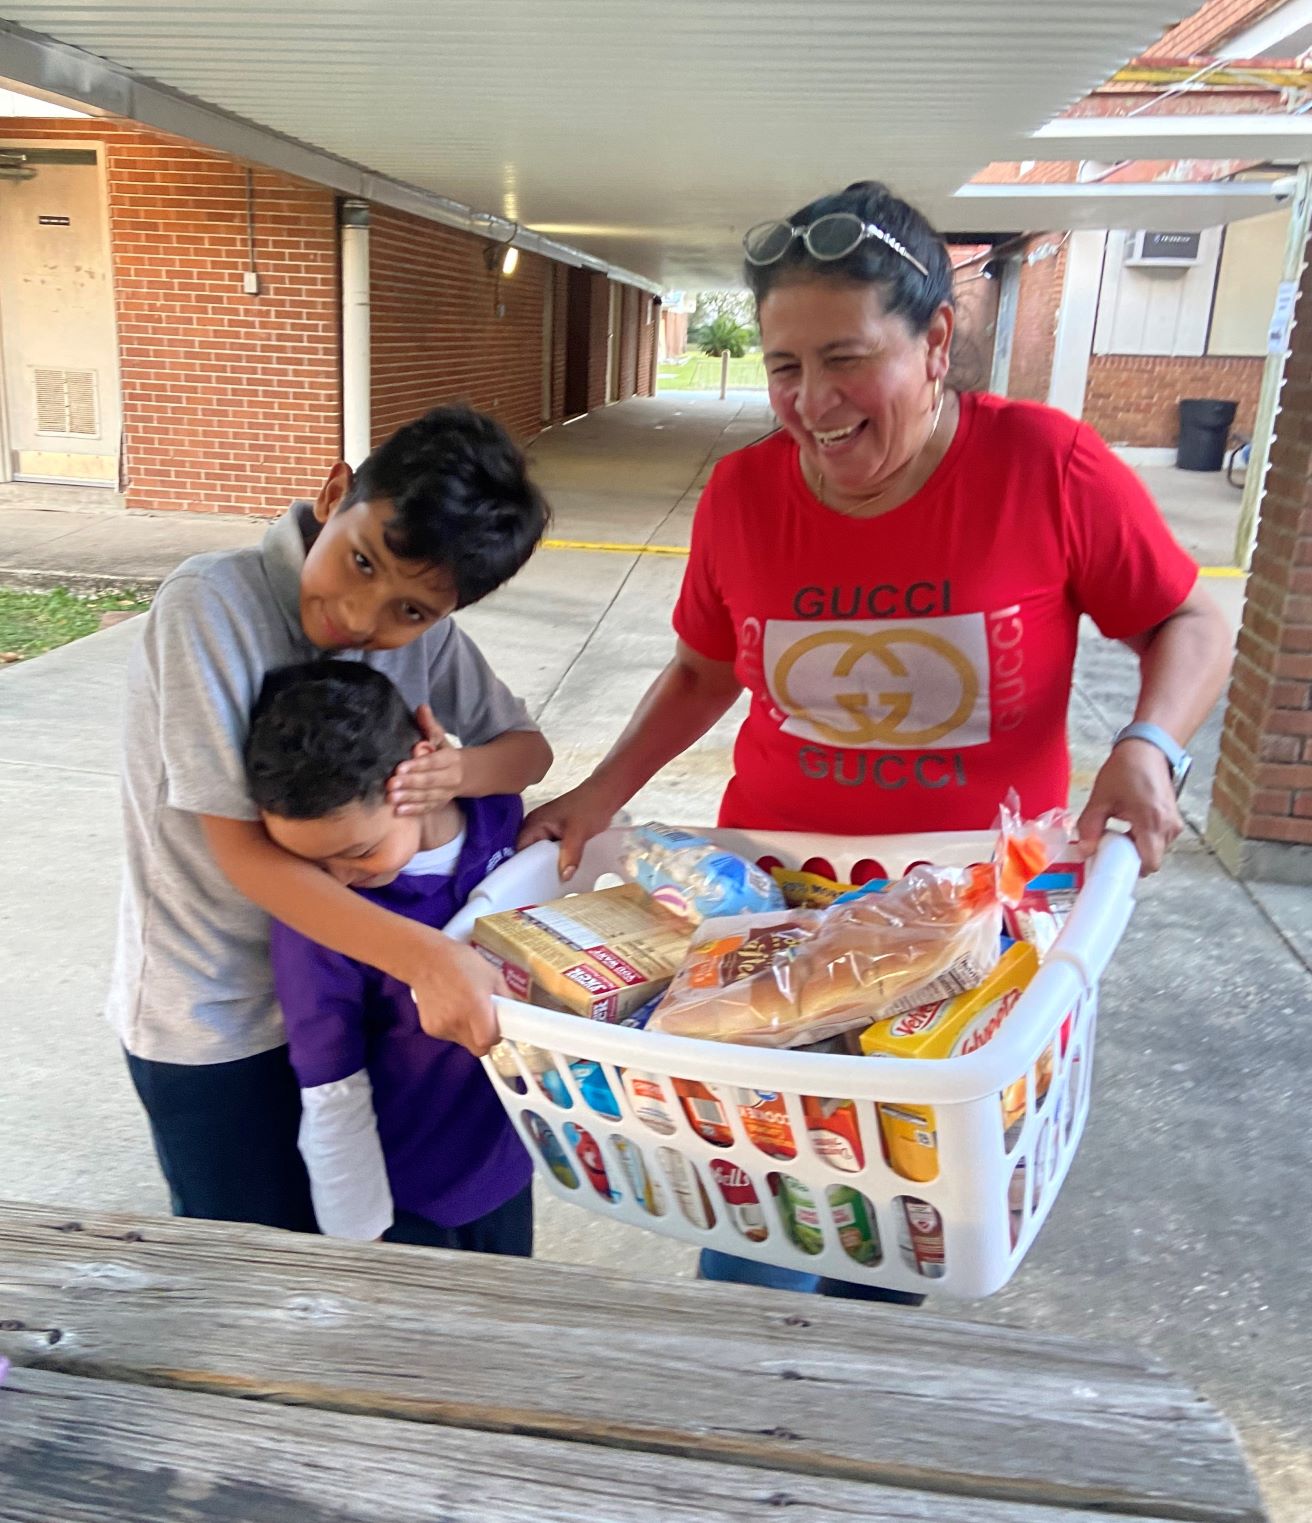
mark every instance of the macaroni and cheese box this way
{"type": "Point", "coordinates": [950, 1028]}
{"type": "Point", "coordinates": [956, 1026]}
{"type": "Point", "coordinates": [602, 955]}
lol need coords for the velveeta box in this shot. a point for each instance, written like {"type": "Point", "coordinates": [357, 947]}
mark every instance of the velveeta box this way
{"type": "Point", "coordinates": [601, 955]}
{"type": "Point", "coordinates": [954, 1027]}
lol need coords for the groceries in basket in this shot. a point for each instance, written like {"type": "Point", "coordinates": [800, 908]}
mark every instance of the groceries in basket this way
{"type": "Point", "coordinates": [947, 1029]}
{"type": "Point", "coordinates": [693, 877]}
{"type": "Point", "coordinates": [1042, 910]}
{"type": "Point", "coordinates": [602, 955]}
{"type": "Point", "coordinates": [791, 978]}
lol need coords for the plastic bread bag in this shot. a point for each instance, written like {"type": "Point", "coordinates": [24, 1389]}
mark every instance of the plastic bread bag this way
{"type": "Point", "coordinates": [692, 876]}
{"type": "Point", "coordinates": [799, 977]}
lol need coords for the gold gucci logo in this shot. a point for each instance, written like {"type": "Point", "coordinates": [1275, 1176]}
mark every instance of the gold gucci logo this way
{"type": "Point", "coordinates": [886, 729]}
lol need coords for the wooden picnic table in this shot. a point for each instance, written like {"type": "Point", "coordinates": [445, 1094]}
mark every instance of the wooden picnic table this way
{"type": "Point", "coordinates": [170, 1371]}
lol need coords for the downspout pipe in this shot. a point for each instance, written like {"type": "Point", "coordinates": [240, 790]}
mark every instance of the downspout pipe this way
{"type": "Point", "coordinates": [353, 222]}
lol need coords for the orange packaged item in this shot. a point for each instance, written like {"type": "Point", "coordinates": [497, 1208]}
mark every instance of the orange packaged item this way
{"type": "Point", "coordinates": [834, 1132]}
{"type": "Point", "coordinates": [910, 1140]}
{"type": "Point", "coordinates": [762, 1112]}
{"type": "Point", "coordinates": [788, 979]}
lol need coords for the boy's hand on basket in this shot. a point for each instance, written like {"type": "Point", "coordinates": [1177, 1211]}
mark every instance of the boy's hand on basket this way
{"type": "Point", "coordinates": [453, 988]}
{"type": "Point", "coordinates": [434, 773]}
{"type": "Point", "coordinates": [572, 819]}
{"type": "Point", "coordinates": [1133, 785]}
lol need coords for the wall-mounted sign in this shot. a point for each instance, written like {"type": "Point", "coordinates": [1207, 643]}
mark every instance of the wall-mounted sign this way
{"type": "Point", "coordinates": [55, 221]}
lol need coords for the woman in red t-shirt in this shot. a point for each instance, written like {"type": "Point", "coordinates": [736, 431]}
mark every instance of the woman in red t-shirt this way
{"type": "Point", "coordinates": [898, 574]}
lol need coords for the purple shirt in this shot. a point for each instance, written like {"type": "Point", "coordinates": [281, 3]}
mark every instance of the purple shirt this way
{"type": "Point", "coordinates": [451, 1153]}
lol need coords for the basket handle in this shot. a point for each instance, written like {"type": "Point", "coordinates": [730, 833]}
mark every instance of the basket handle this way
{"type": "Point", "coordinates": [1103, 909]}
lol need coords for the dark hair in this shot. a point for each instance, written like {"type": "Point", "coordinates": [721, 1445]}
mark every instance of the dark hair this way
{"type": "Point", "coordinates": [461, 498]}
{"type": "Point", "coordinates": [907, 292]}
{"type": "Point", "coordinates": [324, 734]}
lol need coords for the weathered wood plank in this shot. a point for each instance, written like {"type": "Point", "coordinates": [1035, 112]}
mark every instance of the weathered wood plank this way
{"type": "Point", "coordinates": [88, 1451]}
{"type": "Point", "coordinates": [869, 1393]}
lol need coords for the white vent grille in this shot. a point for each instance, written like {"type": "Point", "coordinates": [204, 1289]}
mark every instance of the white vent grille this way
{"type": "Point", "coordinates": [67, 403]}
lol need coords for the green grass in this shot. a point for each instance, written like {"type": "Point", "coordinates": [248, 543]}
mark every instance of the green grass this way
{"type": "Point", "coordinates": [701, 372]}
{"type": "Point", "coordinates": [34, 622]}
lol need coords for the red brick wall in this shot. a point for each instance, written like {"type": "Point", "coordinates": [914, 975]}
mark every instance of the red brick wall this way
{"type": "Point", "coordinates": [629, 342]}
{"type": "Point", "coordinates": [647, 321]}
{"type": "Point", "coordinates": [559, 331]}
{"type": "Point", "coordinates": [1264, 777]}
{"type": "Point", "coordinates": [1036, 321]}
{"type": "Point", "coordinates": [1211, 23]}
{"type": "Point", "coordinates": [435, 333]}
{"type": "Point", "coordinates": [977, 311]}
{"type": "Point", "coordinates": [1131, 398]}
{"type": "Point", "coordinates": [231, 403]}
{"type": "Point", "coordinates": [600, 319]}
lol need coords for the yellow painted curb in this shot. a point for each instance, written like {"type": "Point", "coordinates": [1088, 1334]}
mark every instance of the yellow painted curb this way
{"type": "Point", "coordinates": [1224, 572]}
{"type": "Point", "coordinates": [613, 549]}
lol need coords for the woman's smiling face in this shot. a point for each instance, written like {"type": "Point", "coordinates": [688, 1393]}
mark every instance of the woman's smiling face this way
{"type": "Point", "coordinates": [853, 385]}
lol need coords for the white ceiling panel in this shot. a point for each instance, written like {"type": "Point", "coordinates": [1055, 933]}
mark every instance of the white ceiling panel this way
{"type": "Point", "coordinates": [649, 134]}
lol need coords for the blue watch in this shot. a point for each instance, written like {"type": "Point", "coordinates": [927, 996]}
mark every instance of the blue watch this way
{"type": "Point", "coordinates": [1177, 758]}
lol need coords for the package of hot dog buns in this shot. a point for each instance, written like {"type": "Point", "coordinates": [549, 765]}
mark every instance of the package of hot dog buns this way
{"type": "Point", "coordinates": [793, 977]}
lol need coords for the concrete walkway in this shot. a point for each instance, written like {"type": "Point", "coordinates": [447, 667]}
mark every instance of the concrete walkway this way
{"type": "Point", "coordinates": [1183, 1227]}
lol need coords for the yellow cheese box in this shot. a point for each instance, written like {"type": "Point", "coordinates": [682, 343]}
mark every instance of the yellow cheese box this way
{"type": "Point", "coordinates": [956, 1026]}
{"type": "Point", "coordinates": [950, 1028]}
{"type": "Point", "coordinates": [600, 955]}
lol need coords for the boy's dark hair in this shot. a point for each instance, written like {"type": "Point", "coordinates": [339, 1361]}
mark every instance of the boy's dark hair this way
{"type": "Point", "coordinates": [907, 292]}
{"type": "Point", "coordinates": [461, 498]}
{"type": "Point", "coordinates": [322, 735]}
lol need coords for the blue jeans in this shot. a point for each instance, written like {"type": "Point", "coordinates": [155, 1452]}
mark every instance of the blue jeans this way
{"type": "Point", "coordinates": [508, 1229]}
{"type": "Point", "coordinates": [714, 1265]}
{"type": "Point", "coordinates": [225, 1137]}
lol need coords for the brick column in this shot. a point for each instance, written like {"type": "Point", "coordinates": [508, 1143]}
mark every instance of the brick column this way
{"type": "Point", "coordinates": [1261, 817]}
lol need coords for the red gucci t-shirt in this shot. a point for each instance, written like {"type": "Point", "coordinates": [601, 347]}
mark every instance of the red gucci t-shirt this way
{"type": "Point", "coordinates": [906, 671]}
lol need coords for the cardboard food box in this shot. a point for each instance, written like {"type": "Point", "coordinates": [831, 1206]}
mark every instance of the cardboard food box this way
{"type": "Point", "coordinates": [959, 1025]}
{"type": "Point", "coordinates": [601, 955]}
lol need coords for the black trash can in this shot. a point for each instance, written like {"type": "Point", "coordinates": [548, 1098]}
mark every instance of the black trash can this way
{"type": "Point", "coordinates": [1204, 428]}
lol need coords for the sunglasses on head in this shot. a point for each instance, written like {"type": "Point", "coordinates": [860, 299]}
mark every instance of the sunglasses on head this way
{"type": "Point", "coordinates": [833, 236]}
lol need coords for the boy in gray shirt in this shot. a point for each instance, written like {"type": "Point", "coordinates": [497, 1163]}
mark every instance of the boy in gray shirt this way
{"type": "Point", "coordinates": [437, 517]}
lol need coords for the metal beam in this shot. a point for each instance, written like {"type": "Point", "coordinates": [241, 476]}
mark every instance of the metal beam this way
{"type": "Point", "coordinates": [1166, 206]}
{"type": "Point", "coordinates": [1260, 137]}
{"type": "Point", "coordinates": [68, 74]}
{"type": "Point", "coordinates": [1271, 37]}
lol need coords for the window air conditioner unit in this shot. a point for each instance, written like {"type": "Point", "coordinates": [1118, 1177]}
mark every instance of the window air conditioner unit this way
{"type": "Point", "coordinates": [1163, 251]}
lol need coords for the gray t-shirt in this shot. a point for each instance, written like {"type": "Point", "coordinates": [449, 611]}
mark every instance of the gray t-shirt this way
{"type": "Point", "coordinates": [191, 980]}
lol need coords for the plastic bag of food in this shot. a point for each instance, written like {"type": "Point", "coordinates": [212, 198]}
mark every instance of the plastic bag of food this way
{"type": "Point", "coordinates": [796, 977]}
{"type": "Point", "coordinates": [692, 876]}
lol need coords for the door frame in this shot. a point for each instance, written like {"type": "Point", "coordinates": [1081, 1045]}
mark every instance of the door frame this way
{"type": "Point", "coordinates": [96, 146]}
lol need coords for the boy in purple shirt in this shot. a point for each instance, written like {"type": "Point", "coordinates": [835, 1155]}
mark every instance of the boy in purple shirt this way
{"type": "Point", "coordinates": [402, 1134]}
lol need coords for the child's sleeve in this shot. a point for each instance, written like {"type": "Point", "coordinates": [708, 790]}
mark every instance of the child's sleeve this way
{"type": "Point", "coordinates": [344, 1159]}
{"type": "Point", "coordinates": [204, 672]}
{"type": "Point", "coordinates": [468, 697]}
{"type": "Point", "coordinates": [324, 997]}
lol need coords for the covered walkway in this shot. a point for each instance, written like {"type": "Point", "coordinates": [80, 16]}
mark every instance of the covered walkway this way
{"type": "Point", "coordinates": [1175, 1230]}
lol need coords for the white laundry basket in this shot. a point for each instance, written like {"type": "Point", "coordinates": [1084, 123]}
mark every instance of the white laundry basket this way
{"type": "Point", "coordinates": [961, 1233]}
